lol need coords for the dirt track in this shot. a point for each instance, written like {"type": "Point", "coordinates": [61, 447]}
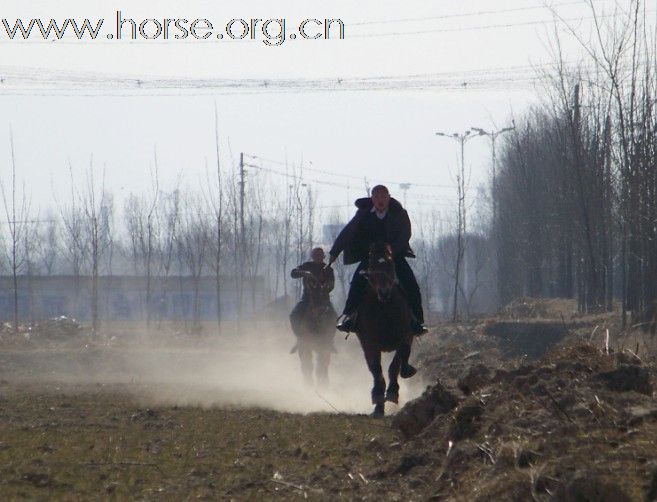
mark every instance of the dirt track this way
{"type": "Point", "coordinates": [570, 422]}
{"type": "Point", "coordinates": [76, 441]}
{"type": "Point", "coordinates": [200, 419]}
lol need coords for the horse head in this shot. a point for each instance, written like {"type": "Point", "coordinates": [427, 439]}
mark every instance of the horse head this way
{"type": "Point", "coordinates": [380, 272]}
{"type": "Point", "coordinates": [317, 304]}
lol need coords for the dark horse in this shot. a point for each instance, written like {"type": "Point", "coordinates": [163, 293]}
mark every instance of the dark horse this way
{"type": "Point", "coordinates": [383, 325]}
{"type": "Point", "coordinates": [313, 322]}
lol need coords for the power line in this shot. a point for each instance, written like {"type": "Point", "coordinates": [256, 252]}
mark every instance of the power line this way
{"type": "Point", "coordinates": [357, 178]}
{"type": "Point", "coordinates": [482, 27]}
{"type": "Point", "coordinates": [268, 85]}
{"type": "Point", "coordinates": [46, 76]}
{"type": "Point", "coordinates": [298, 177]}
{"type": "Point", "coordinates": [41, 82]}
{"type": "Point", "coordinates": [460, 15]}
{"type": "Point", "coordinates": [420, 199]}
{"type": "Point", "coordinates": [13, 81]}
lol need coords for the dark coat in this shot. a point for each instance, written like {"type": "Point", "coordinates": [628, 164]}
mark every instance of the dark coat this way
{"type": "Point", "coordinates": [354, 244]}
{"type": "Point", "coordinates": [324, 275]}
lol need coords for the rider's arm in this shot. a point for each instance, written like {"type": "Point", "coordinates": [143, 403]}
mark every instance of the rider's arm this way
{"type": "Point", "coordinates": [330, 280]}
{"type": "Point", "coordinates": [299, 272]}
{"type": "Point", "coordinates": [343, 239]}
{"type": "Point", "coordinates": [400, 243]}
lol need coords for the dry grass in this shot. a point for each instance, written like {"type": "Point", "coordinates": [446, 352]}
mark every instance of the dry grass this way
{"type": "Point", "coordinates": [531, 429]}
{"type": "Point", "coordinates": [80, 443]}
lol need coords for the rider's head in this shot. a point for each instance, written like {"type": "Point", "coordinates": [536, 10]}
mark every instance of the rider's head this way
{"type": "Point", "coordinates": [380, 197]}
{"type": "Point", "coordinates": [317, 255]}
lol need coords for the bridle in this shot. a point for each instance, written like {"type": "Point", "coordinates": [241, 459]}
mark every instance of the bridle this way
{"type": "Point", "coordinates": [380, 272]}
{"type": "Point", "coordinates": [316, 305]}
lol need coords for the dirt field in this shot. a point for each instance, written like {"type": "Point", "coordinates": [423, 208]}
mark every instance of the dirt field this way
{"type": "Point", "coordinates": [185, 418]}
{"type": "Point", "coordinates": [521, 407]}
{"type": "Point", "coordinates": [85, 442]}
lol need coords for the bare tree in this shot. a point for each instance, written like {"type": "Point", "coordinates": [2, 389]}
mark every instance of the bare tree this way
{"type": "Point", "coordinates": [16, 212]}
{"type": "Point", "coordinates": [192, 246]}
{"type": "Point", "coordinates": [215, 197]}
{"type": "Point", "coordinates": [143, 230]}
{"type": "Point", "coordinates": [74, 244]}
{"type": "Point", "coordinates": [96, 204]}
{"type": "Point", "coordinates": [49, 246]}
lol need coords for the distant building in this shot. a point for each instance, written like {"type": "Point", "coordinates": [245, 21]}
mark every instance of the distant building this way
{"type": "Point", "coordinates": [124, 297]}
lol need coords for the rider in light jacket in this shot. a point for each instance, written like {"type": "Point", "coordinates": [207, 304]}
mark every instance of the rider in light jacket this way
{"type": "Point", "coordinates": [313, 272]}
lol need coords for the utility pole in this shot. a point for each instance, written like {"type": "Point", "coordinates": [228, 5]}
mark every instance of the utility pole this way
{"type": "Point", "coordinates": [461, 138]}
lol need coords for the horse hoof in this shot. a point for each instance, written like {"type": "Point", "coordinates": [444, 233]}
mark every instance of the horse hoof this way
{"type": "Point", "coordinates": [378, 399]}
{"type": "Point", "coordinates": [378, 412]}
{"type": "Point", "coordinates": [407, 371]}
{"type": "Point", "coordinates": [392, 397]}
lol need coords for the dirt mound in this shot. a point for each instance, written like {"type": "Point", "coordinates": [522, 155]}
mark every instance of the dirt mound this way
{"type": "Point", "coordinates": [546, 308]}
{"type": "Point", "coordinates": [532, 339]}
{"type": "Point", "coordinates": [626, 378]}
{"type": "Point", "coordinates": [576, 424]}
{"type": "Point", "coordinates": [420, 412]}
{"type": "Point", "coordinates": [452, 349]}
{"type": "Point", "coordinates": [57, 327]}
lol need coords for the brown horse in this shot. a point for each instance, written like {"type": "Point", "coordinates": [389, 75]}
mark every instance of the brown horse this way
{"type": "Point", "coordinates": [313, 322]}
{"type": "Point", "coordinates": [383, 325]}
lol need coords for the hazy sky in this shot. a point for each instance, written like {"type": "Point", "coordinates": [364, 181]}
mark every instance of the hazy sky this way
{"type": "Point", "coordinates": [64, 100]}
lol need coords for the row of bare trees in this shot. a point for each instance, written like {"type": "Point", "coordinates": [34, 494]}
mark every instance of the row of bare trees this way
{"type": "Point", "coordinates": [577, 189]}
{"type": "Point", "coordinates": [245, 239]}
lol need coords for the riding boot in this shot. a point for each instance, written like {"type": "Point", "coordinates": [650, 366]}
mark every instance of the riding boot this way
{"type": "Point", "coordinates": [417, 319]}
{"type": "Point", "coordinates": [418, 328]}
{"type": "Point", "coordinates": [412, 290]}
{"type": "Point", "coordinates": [348, 323]}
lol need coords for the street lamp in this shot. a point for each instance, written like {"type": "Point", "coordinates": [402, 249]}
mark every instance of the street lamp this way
{"type": "Point", "coordinates": [493, 137]}
{"type": "Point", "coordinates": [462, 138]}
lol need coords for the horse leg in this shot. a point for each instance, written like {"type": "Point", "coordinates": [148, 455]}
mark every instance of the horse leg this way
{"type": "Point", "coordinates": [392, 394]}
{"type": "Point", "coordinates": [321, 367]}
{"type": "Point", "coordinates": [306, 358]}
{"type": "Point", "coordinates": [404, 352]}
{"type": "Point", "coordinates": [373, 359]}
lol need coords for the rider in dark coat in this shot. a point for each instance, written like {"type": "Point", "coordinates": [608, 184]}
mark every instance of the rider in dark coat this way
{"type": "Point", "coordinates": [378, 219]}
{"type": "Point", "coordinates": [313, 272]}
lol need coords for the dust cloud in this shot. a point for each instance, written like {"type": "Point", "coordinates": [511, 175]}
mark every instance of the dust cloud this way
{"type": "Point", "coordinates": [254, 369]}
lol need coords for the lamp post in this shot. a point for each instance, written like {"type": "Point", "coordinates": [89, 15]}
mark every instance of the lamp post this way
{"type": "Point", "coordinates": [493, 135]}
{"type": "Point", "coordinates": [462, 139]}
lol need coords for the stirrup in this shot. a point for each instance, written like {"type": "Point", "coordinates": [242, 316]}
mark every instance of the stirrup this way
{"type": "Point", "coordinates": [347, 324]}
{"type": "Point", "coordinates": [418, 328]}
